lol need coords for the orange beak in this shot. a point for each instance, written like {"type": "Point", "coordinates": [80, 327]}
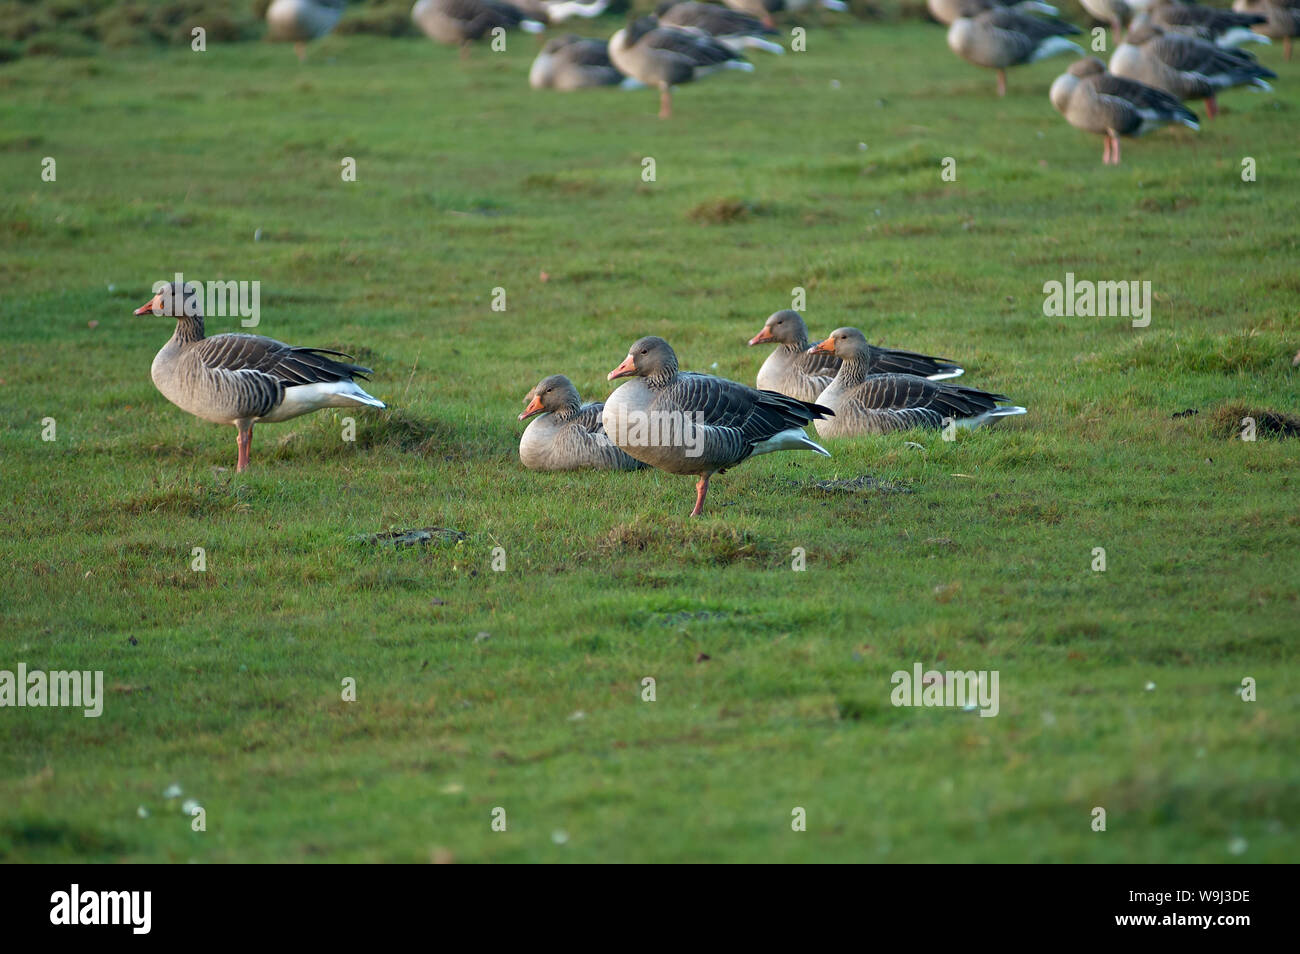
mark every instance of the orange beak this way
{"type": "Point", "coordinates": [156, 305]}
{"type": "Point", "coordinates": [623, 370]}
{"type": "Point", "coordinates": [534, 406]}
{"type": "Point", "coordinates": [763, 337]}
{"type": "Point", "coordinates": [823, 347]}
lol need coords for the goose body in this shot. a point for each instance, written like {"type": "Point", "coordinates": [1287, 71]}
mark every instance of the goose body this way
{"type": "Point", "coordinates": [572, 62]}
{"type": "Point", "coordinates": [1114, 12]}
{"type": "Point", "coordinates": [1281, 19]}
{"type": "Point", "coordinates": [298, 21]}
{"type": "Point", "coordinates": [999, 38]}
{"type": "Point", "coordinates": [881, 403]}
{"type": "Point", "coordinates": [1220, 27]}
{"type": "Point", "coordinates": [793, 370]}
{"type": "Point", "coordinates": [244, 379]}
{"type": "Point", "coordinates": [461, 22]}
{"type": "Point", "coordinates": [698, 424]}
{"type": "Point", "coordinates": [569, 435]}
{"type": "Point", "coordinates": [664, 57]}
{"type": "Point", "coordinates": [731, 28]}
{"type": "Point", "coordinates": [762, 10]}
{"type": "Point", "coordinates": [1184, 66]}
{"type": "Point", "coordinates": [1099, 102]}
{"type": "Point", "coordinates": [946, 11]}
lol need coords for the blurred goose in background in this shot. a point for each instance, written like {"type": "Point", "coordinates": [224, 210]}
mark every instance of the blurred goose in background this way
{"type": "Point", "coordinates": [946, 11]}
{"type": "Point", "coordinates": [1184, 66]}
{"type": "Point", "coordinates": [1000, 38]}
{"type": "Point", "coordinates": [569, 435]}
{"type": "Point", "coordinates": [461, 22]}
{"type": "Point", "coordinates": [866, 403]}
{"type": "Point", "coordinates": [731, 28]}
{"type": "Point", "coordinates": [1220, 27]}
{"type": "Point", "coordinates": [793, 370]}
{"type": "Point", "coordinates": [298, 21]}
{"type": "Point", "coordinates": [557, 11]}
{"type": "Point", "coordinates": [763, 9]}
{"type": "Point", "coordinates": [1281, 19]}
{"type": "Point", "coordinates": [572, 62]}
{"type": "Point", "coordinates": [1114, 12]}
{"type": "Point", "coordinates": [242, 379]}
{"type": "Point", "coordinates": [664, 57]}
{"type": "Point", "coordinates": [698, 424]}
{"type": "Point", "coordinates": [1098, 102]}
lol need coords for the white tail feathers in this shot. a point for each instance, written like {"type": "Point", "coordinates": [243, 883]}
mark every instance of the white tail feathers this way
{"type": "Point", "coordinates": [947, 375]}
{"type": "Point", "coordinates": [1054, 45]}
{"type": "Point", "coordinates": [1038, 7]}
{"type": "Point", "coordinates": [840, 6]}
{"type": "Point", "coordinates": [740, 65]}
{"type": "Point", "coordinates": [790, 439]}
{"type": "Point", "coordinates": [531, 26]}
{"type": "Point", "coordinates": [564, 9]}
{"type": "Point", "coordinates": [1239, 36]}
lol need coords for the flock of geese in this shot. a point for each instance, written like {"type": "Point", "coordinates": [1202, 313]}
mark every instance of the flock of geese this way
{"type": "Point", "coordinates": [677, 421]}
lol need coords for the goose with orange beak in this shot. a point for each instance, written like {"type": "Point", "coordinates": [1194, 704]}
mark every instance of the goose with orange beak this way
{"type": "Point", "coordinates": [243, 379]}
{"type": "Point", "coordinates": [866, 403]}
{"type": "Point", "coordinates": [568, 435]}
{"type": "Point", "coordinates": [698, 424]}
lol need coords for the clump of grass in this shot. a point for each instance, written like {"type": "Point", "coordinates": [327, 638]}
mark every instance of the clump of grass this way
{"type": "Point", "coordinates": [707, 543]}
{"type": "Point", "coordinates": [1227, 421]}
{"type": "Point", "coordinates": [726, 211]}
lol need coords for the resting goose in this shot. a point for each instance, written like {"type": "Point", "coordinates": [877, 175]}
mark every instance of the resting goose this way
{"type": "Point", "coordinates": [1114, 12]}
{"type": "Point", "coordinates": [1000, 38]}
{"type": "Point", "coordinates": [945, 11]}
{"type": "Point", "coordinates": [461, 22]}
{"type": "Point", "coordinates": [866, 403]}
{"type": "Point", "coordinates": [1184, 66]}
{"type": "Point", "coordinates": [733, 29]}
{"type": "Point", "coordinates": [763, 9]}
{"type": "Point", "coordinates": [1098, 102]}
{"type": "Point", "coordinates": [298, 21]}
{"type": "Point", "coordinates": [572, 62]}
{"type": "Point", "coordinates": [665, 57]}
{"type": "Point", "coordinates": [569, 435]}
{"type": "Point", "coordinates": [697, 424]}
{"type": "Point", "coordinates": [1220, 27]}
{"type": "Point", "coordinates": [242, 379]}
{"type": "Point", "coordinates": [1281, 19]}
{"type": "Point", "coordinates": [791, 369]}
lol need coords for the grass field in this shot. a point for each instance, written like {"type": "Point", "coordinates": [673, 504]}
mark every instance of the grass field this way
{"type": "Point", "coordinates": [821, 170]}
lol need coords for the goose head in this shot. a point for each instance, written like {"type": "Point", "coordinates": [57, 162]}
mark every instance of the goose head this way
{"type": "Point", "coordinates": [551, 394]}
{"type": "Point", "coordinates": [647, 358]}
{"type": "Point", "coordinates": [782, 327]}
{"type": "Point", "coordinates": [1063, 86]}
{"type": "Point", "coordinates": [1141, 30]}
{"type": "Point", "coordinates": [174, 300]}
{"type": "Point", "coordinates": [845, 343]}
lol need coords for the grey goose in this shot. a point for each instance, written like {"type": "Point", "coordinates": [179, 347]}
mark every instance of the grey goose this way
{"type": "Point", "coordinates": [1281, 19]}
{"type": "Point", "coordinates": [572, 62]}
{"type": "Point", "coordinates": [945, 11]}
{"type": "Point", "coordinates": [1114, 12]}
{"type": "Point", "coordinates": [731, 28]}
{"type": "Point", "coordinates": [763, 9]}
{"type": "Point", "coordinates": [1220, 27]}
{"type": "Point", "coordinates": [664, 57]}
{"type": "Point", "coordinates": [1099, 102]}
{"type": "Point", "coordinates": [879, 403]}
{"type": "Point", "coordinates": [242, 379]}
{"type": "Point", "coordinates": [569, 435]}
{"type": "Point", "coordinates": [1184, 66]}
{"type": "Point", "coordinates": [791, 369]}
{"type": "Point", "coordinates": [298, 21]}
{"type": "Point", "coordinates": [1003, 37]}
{"type": "Point", "coordinates": [461, 22]}
{"type": "Point", "coordinates": [698, 424]}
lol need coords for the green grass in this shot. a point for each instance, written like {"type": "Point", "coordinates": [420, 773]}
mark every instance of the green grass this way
{"type": "Point", "coordinates": [228, 681]}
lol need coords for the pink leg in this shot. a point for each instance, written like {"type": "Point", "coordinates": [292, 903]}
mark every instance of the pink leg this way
{"type": "Point", "coordinates": [1211, 107]}
{"type": "Point", "coordinates": [1115, 147]}
{"type": "Point", "coordinates": [1002, 82]}
{"type": "Point", "coordinates": [701, 488]}
{"type": "Point", "coordinates": [1105, 150]}
{"type": "Point", "coordinates": [666, 103]}
{"type": "Point", "coordinates": [244, 441]}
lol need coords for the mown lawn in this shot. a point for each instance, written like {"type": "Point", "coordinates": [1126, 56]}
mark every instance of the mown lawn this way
{"type": "Point", "coordinates": [821, 170]}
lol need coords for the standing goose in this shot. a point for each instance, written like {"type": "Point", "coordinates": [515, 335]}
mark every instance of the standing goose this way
{"type": "Point", "coordinates": [461, 22]}
{"type": "Point", "coordinates": [1220, 27]}
{"type": "Point", "coordinates": [946, 11]}
{"type": "Point", "coordinates": [697, 424]}
{"type": "Point", "coordinates": [569, 435]}
{"type": "Point", "coordinates": [242, 379]}
{"type": "Point", "coordinates": [1098, 102]}
{"type": "Point", "coordinates": [1000, 38]}
{"type": "Point", "coordinates": [298, 21]}
{"type": "Point", "coordinates": [763, 9]}
{"type": "Point", "coordinates": [791, 369]}
{"type": "Point", "coordinates": [572, 62]}
{"type": "Point", "coordinates": [1281, 19]}
{"type": "Point", "coordinates": [1114, 12]}
{"type": "Point", "coordinates": [665, 57]}
{"type": "Point", "coordinates": [733, 29]}
{"type": "Point", "coordinates": [877, 404]}
{"type": "Point", "coordinates": [1184, 66]}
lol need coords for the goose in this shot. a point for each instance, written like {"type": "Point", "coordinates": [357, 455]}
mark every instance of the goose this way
{"type": "Point", "coordinates": [1114, 12]}
{"type": "Point", "coordinates": [1000, 38]}
{"type": "Point", "coordinates": [1098, 102]}
{"type": "Point", "coordinates": [866, 403]}
{"type": "Point", "coordinates": [698, 424]}
{"type": "Point", "coordinates": [763, 9]}
{"type": "Point", "coordinates": [733, 29]}
{"type": "Point", "coordinates": [790, 369]}
{"type": "Point", "coordinates": [945, 11]}
{"type": "Point", "coordinates": [569, 435]}
{"type": "Point", "coordinates": [1220, 27]}
{"type": "Point", "coordinates": [572, 62]}
{"type": "Point", "coordinates": [461, 22]}
{"type": "Point", "coordinates": [557, 11]}
{"type": "Point", "coordinates": [301, 20]}
{"type": "Point", "coordinates": [242, 379]}
{"type": "Point", "coordinates": [1184, 66]}
{"type": "Point", "coordinates": [1281, 19]}
{"type": "Point", "coordinates": [665, 57]}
